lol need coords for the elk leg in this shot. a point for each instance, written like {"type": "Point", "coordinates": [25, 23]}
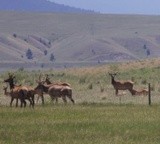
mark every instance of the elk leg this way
{"type": "Point", "coordinates": [31, 103]}
{"type": "Point", "coordinates": [11, 101]}
{"type": "Point", "coordinates": [23, 102]}
{"type": "Point", "coordinates": [33, 100]}
{"type": "Point", "coordinates": [42, 97]}
{"type": "Point", "coordinates": [116, 92]}
{"type": "Point", "coordinates": [17, 102]}
{"type": "Point", "coordinates": [37, 99]}
{"type": "Point", "coordinates": [64, 99]}
{"type": "Point", "coordinates": [71, 99]}
{"type": "Point", "coordinates": [53, 98]}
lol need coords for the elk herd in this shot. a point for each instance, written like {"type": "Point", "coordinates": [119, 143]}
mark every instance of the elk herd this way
{"type": "Point", "coordinates": [23, 93]}
{"type": "Point", "coordinates": [56, 90]}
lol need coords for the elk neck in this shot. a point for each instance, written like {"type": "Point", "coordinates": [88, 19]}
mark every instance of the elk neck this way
{"type": "Point", "coordinates": [113, 81]}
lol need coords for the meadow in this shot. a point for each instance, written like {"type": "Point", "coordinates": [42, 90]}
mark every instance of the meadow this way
{"type": "Point", "coordinates": [84, 123]}
{"type": "Point", "coordinates": [98, 116]}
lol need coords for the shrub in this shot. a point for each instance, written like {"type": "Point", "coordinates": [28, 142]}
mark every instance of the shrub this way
{"type": "Point", "coordinates": [82, 80]}
{"type": "Point", "coordinates": [90, 86]}
{"type": "Point", "coordinates": [29, 54]}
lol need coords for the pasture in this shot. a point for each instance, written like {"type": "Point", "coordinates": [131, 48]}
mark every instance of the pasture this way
{"type": "Point", "coordinates": [98, 116]}
{"type": "Point", "coordinates": [82, 123]}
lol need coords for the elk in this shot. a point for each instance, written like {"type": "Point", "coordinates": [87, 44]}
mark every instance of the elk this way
{"type": "Point", "coordinates": [22, 91]}
{"type": "Point", "coordinates": [139, 92]}
{"type": "Point", "coordinates": [15, 94]}
{"type": "Point", "coordinates": [120, 85]}
{"type": "Point", "coordinates": [56, 91]}
{"type": "Point", "coordinates": [49, 83]}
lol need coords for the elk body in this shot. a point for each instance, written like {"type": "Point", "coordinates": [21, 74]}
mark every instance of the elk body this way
{"type": "Point", "coordinates": [22, 92]}
{"type": "Point", "coordinates": [56, 91]}
{"type": "Point", "coordinates": [40, 92]}
{"type": "Point", "coordinates": [14, 94]}
{"type": "Point", "coordinates": [143, 92]}
{"type": "Point", "coordinates": [121, 85]}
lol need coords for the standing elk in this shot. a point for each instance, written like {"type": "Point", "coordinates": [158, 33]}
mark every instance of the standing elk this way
{"type": "Point", "coordinates": [49, 83]}
{"type": "Point", "coordinates": [22, 92]}
{"type": "Point", "coordinates": [16, 94]}
{"type": "Point", "coordinates": [120, 85]}
{"type": "Point", "coordinates": [56, 91]}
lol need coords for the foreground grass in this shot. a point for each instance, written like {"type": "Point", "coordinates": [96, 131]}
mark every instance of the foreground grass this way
{"type": "Point", "coordinates": [81, 124]}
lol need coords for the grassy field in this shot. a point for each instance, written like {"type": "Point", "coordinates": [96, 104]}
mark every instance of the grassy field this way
{"type": "Point", "coordinates": [85, 123]}
{"type": "Point", "coordinates": [98, 116]}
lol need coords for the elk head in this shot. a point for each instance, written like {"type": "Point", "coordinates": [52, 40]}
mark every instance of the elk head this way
{"type": "Point", "coordinates": [10, 80]}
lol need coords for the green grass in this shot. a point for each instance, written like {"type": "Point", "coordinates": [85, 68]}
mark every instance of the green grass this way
{"type": "Point", "coordinates": [83, 123]}
{"type": "Point", "coordinates": [97, 116]}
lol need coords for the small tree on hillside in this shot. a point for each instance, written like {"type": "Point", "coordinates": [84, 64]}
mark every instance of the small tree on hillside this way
{"type": "Point", "coordinates": [29, 54]}
{"type": "Point", "coordinates": [52, 58]}
{"type": "Point", "coordinates": [45, 52]}
{"type": "Point", "coordinates": [148, 52]}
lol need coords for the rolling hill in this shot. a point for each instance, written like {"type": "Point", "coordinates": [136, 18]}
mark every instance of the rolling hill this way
{"type": "Point", "coordinates": [69, 39]}
{"type": "Point", "coordinates": [38, 6]}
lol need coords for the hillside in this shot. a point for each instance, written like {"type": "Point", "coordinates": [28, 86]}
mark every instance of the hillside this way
{"type": "Point", "coordinates": [76, 39]}
{"type": "Point", "coordinates": [38, 6]}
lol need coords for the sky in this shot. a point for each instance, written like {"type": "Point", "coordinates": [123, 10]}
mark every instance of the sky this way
{"type": "Point", "coordinates": [148, 7]}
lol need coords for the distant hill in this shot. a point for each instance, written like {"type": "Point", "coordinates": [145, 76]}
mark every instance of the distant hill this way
{"type": "Point", "coordinates": [38, 6]}
{"type": "Point", "coordinates": [57, 40]}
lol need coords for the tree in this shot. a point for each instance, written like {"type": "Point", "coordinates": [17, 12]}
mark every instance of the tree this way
{"type": "Point", "coordinates": [144, 46]}
{"type": "Point", "coordinates": [45, 52]}
{"type": "Point", "coordinates": [29, 54]}
{"type": "Point", "coordinates": [52, 58]}
{"type": "Point", "coordinates": [148, 52]}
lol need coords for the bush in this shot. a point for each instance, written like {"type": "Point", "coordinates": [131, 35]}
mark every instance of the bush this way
{"type": "Point", "coordinates": [29, 54]}
{"type": "Point", "coordinates": [90, 86]}
{"type": "Point", "coordinates": [82, 80]}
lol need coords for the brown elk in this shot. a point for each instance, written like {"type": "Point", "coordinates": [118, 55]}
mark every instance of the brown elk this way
{"type": "Point", "coordinates": [22, 92]}
{"type": "Point", "coordinates": [49, 83]}
{"type": "Point", "coordinates": [143, 92]}
{"type": "Point", "coordinates": [120, 85]}
{"type": "Point", "coordinates": [56, 91]}
{"type": "Point", "coordinates": [16, 94]}
{"type": "Point", "coordinates": [13, 95]}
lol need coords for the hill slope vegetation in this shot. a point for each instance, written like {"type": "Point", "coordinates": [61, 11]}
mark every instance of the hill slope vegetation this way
{"type": "Point", "coordinates": [76, 39]}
